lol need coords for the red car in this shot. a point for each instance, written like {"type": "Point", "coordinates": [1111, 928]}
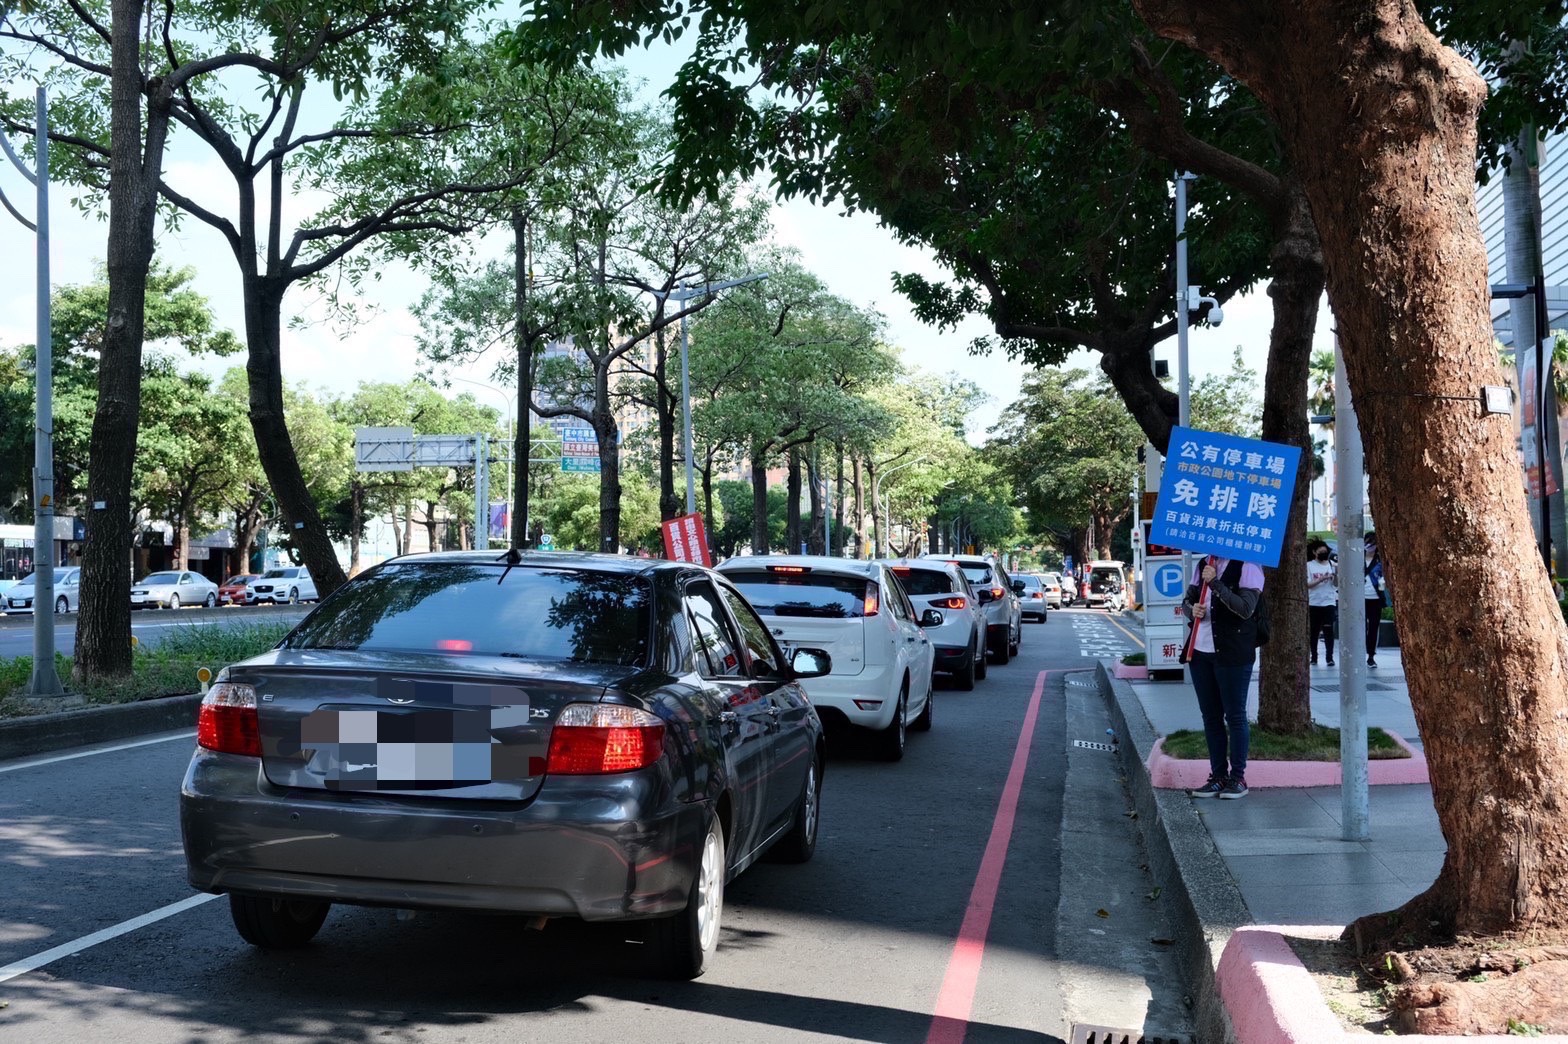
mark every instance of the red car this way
{"type": "Point", "coordinates": [232, 590]}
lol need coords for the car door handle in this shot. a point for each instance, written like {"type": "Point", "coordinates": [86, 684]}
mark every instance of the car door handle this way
{"type": "Point", "coordinates": [728, 717]}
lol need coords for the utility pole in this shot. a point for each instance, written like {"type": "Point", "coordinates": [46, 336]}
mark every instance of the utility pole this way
{"type": "Point", "coordinates": [1354, 796]}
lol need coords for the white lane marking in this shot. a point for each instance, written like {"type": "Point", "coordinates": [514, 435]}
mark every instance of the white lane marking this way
{"type": "Point", "coordinates": [89, 753]}
{"type": "Point", "coordinates": [38, 960]}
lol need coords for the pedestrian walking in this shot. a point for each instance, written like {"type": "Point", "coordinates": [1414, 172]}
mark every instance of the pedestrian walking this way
{"type": "Point", "coordinates": [1222, 605]}
{"type": "Point", "coordinates": [1322, 602]}
{"type": "Point", "coordinates": [1374, 594]}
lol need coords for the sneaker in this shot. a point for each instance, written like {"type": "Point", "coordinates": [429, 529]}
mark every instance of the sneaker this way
{"type": "Point", "coordinates": [1213, 788]}
{"type": "Point", "coordinates": [1315, 661]}
{"type": "Point", "coordinates": [1234, 787]}
{"type": "Point", "coordinates": [1371, 661]}
{"type": "Point", "coordinates": [1331, 661]}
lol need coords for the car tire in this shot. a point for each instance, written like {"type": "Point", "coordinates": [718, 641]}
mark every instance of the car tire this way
{"type": "Point", "coordinates": [683, 943]}
{"type": "Point", "coordinates": [800, 843]}
{"type": "Point", "coordinates": [1016, 643]}
{"type": "Point", "coordinates": [211, 602]}
{"type": "Point", "coordinates": [966, 675]}
{"type": "Point", "coordinates": [1001, 651]}
{"type": "Point", "coordinates": [174, 601]}
{"type": "Point", "coordinates": [892, 740]}
{"type": "Point", "coordinates": [982, 664]}
{"type": "Point", "coordinates": [274, 923]}
{"type": "Point", "coordinates": [923, 722]}
{"type": "Point", "coordinates": [293, 596]}
{"type": "Point", "coordinates": [62, 605]}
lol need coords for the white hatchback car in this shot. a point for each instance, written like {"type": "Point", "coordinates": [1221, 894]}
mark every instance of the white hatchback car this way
{"type": "Point", "coordinates": [959, 640]}
{"type": "Point", "coordinates": [286, 584]}
{"type": "Point", "coordinates": [858, 613]}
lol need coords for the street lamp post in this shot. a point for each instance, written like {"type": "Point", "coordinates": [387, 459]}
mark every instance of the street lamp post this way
{"type": "Point", "coordinates": [482, 516]}
{"type": "Point", "coordinates": [881, 547]}
{"type": "Point", "coordinates": [44, 681]}
{"type": "Point", "coordinates": [681, 295]}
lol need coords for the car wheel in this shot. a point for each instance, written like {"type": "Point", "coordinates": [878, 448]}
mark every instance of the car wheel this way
{"type": "Point", "coordinates": [277, 924]}
{"type": "Point", "coordinates": [293, 596]}
{"type": "Point", "coordinates": [891, 740]}
{"type": "Point", "coordinates": [684, 942]}
{"type": "Point", "coordinates": [967, 674]}
{"type": "Point", "coordinates": [1001, 651]}
{"type": "Point", "coordinates": [800, 843]}
{"type": "Point", "coordinates": [1012, 647]}
{"type": "Point", "coordinates": [923, 722]}
{"type": "Point", "coordinates": [982, 664]}
{"type": "Point", "coordinates": [212, 601]}
{"type": "Point", "coordinates": [174, 601]}
{"type": "Point", "coordinates": [62, 604]}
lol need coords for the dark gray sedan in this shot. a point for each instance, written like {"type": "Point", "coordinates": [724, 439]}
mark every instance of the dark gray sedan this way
{"type": "Point", "coordinates": [547, 734]}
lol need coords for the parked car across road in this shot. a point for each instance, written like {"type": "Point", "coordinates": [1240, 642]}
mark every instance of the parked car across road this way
{"type": "Point", "coordinates": [67, 592]}
{"type": "Point", "coordinates": [555, 735]}
{"type": "Point", "coordinates": [1031, 596]}
{"type": "Point", "coordinates": [232, 590]}
{"type": "Point", "coordinates": [285, 584]}
{"type": "Point", "coordinates": [172, 589]}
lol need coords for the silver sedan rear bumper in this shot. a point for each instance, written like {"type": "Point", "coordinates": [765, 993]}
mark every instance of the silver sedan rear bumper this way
{"type": "Point", "coordinates": [583, 846]}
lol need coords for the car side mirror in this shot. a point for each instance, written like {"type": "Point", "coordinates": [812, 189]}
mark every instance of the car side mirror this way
{"type": "Point", "coordinates": [1018, 587]}
{"type": "Point", "coordinates": [931, 618]}
{"type": "Point", "coordinates": [985, 595]}
{"type": "Point", "coordinates": [810, 663]}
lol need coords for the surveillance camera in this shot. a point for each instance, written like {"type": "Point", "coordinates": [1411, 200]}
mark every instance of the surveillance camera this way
{"type": "Point", "coordinates": [1216, 315]}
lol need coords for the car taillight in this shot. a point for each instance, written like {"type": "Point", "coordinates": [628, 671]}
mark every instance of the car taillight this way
{"type": "Point", "coordinates": [955, 602]}
{"type": "Point", "coordinates": [228, 722]}
{"type": "Point", "coordinates": [997, 592]}
{"type": "Point", "coordinates": [873, 599]}
{"type": "Point", "coordinates": [596, 738]}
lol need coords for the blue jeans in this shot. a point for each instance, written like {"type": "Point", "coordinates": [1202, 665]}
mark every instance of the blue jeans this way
{"type": "Point", "coordinates": [1222, 698]}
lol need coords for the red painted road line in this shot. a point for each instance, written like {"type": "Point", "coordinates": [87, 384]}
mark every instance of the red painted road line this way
{"type": "Point", "coordinates": [954, 1003]}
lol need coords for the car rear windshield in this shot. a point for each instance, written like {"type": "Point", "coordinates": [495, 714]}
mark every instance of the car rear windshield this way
{"type": "Point", "coordinates": [803, 594]}
{"type": "Point", "coordinates": [977, 574]}
{"type": "Point", "coordinates": [918, 581]}
{"type": "Point", "coordinates": [1099, 576]}
{"type": "Point", "coordinates": [162, 578]}
{"type": "Point", "coordinates": [530, 613]}
{"type": "Point", "coordinates": [1030, 581]}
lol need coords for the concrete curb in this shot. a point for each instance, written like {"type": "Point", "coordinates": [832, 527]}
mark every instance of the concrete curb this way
{"type": "Point", "coordinates": [1273, 999]}
{"type": "Point", "coordinates": [1170, 773]}
{"type": "Point", "coordinates": [1206, 905]}
{"type": "Point", "coordinates": [41, 733]}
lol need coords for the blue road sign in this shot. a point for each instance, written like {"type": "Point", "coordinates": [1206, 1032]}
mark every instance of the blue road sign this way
{"type": "Point", "coordinates": [1225, 496]}
{"type": "Point", "coordinates": [1167, 579]}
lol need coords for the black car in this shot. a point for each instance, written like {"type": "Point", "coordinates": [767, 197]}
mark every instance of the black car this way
{"type": "Point", "coordinates": [548, 734]}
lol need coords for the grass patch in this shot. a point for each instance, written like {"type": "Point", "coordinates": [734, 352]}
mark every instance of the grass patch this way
{"type": "Point", "coordinates": [1321, 744]}
{"type": "Point", "coordinates": [1135, 659]}
{"type": "Point", "coordinates": [166, 669]}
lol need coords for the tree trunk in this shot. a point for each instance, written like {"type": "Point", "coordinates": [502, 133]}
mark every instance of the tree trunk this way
{"type": "Point", "coordinates": [670, 503]}
{"type": "Point", "coordinates": [860, 509]}
{"type": "Point", "coordinates": [759, 500]}
{"type": "Point", "coordinates": [879, 535]}
{"type": "Point", "coordinates": [1379, 121]}
{"type": "Point", "coordinates": [263, 367]}
{"type": "Point", "coordinates": [103, 627]}
{"type": "Point", "coordinates": [707, 491]}
{"type": "Point", "coordinates": [356, 522]}
{"type": "Point", "coordinates": [792, 534]}
{"type": "Point", "coordinates": [182, 545]}
{"type": "Point", "coordinates": [818, 509]}
{"type": "Point", "coordinates": [838, 502]}
{"type": "Point", "coordinates": [432, 537]}
{"type": "Point", "coordinates": [609, 475]}
{"type": "Point", "coordinates": [1284, 678]}
{"type": "Point", "coordinates": [522, 437]}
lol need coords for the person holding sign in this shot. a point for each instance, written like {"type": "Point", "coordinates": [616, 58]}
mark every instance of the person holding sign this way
{"type": "Point", "coordinates": [1222, 606]}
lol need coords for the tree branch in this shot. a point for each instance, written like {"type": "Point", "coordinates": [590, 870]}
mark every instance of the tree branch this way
{"type": "Point", "coordinates": [201, 213]}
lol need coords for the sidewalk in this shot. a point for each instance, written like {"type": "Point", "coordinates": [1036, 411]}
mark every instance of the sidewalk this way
{"type": "Point", "coordinates": [1283, 845]}
{"type": "Point", "coordinates": [1275, 857]}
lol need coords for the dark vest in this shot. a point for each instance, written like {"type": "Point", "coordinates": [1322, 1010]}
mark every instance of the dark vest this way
{"type": "Point", "coordinates": [1235, 637]}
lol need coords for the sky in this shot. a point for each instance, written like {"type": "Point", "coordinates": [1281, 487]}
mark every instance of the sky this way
{"type": "Point", "coordinates": [852, 254]}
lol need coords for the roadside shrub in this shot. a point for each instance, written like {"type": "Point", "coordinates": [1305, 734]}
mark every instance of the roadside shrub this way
{"type": "Point", "coordinates": [1136, 659]}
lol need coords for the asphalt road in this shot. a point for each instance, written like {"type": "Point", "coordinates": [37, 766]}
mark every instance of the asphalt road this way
{"type": "Point", "coordinates": [148, 625]}
{"type": "Point", "coordinates": [1008, 838]}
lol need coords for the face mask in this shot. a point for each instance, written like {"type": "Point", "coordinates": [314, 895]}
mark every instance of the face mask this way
{"type": "Point", "coordinates": [1322, 556]}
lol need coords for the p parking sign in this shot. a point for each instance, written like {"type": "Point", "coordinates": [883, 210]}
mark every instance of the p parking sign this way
{"type": "Point", "coordinates": [1225, 495]}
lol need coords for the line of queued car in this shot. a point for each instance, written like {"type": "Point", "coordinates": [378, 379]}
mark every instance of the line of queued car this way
{"type": "Point", "coordinates": [565, 735]}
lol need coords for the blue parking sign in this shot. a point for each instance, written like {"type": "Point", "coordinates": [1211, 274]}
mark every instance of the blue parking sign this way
{"type": "Point", "coordinates": [1168, 579]}
{"type": "Point", "coordinates": [1224, 495]}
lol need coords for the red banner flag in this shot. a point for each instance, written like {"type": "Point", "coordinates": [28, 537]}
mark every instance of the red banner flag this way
{"type": "Point", "coordinates": [686, 539]}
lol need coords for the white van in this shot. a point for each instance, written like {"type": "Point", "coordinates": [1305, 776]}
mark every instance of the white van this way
{"type": "Point", "coordinates": [1107, 586]}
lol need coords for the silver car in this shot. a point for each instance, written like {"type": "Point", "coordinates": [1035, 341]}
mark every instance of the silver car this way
{"type": "Point", "coordinates": [67, 592]}
{"type": "Point", "coordinates": [172, 589]}
{"type": "Point", "coordinates": [1004, 619]}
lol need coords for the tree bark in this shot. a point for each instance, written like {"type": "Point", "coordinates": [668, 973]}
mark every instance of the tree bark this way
{"type": "Point", "coordinates": [792, 535]}
{"type": "Point", "coordinates": [609, 470]}
{"type": "Point", "coordinates": [838, 502]}
{"type": "Point", "coordinates": [759, 500]}
{"type": "Point", "coordinates": [356, 522]}
{"type": "Point", "coordinates": [1284, 678]}
{"type": "Point", "coordinates": [1379, 121]}
{"type": "Point", "coordinates": [670, 504]}
{"type": "Point", "coordinates": [860, 509]}
{"type": "Point", "coordinates": [818, 509]}
{"type": "Point", "coordinates": [103, 629]}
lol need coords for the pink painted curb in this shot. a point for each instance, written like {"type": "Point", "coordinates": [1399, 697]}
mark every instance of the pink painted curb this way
{"type": "Point", "coordinates": [1271, 998]}
{"type": "Point", "coordinates": [1169, 773]}
{"type": "Point", "coordinates": [1130, 672]}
